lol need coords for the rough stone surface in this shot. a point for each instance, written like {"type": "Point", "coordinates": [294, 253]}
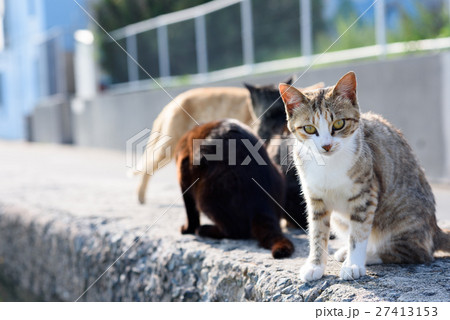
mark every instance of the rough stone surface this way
{"type": "Point", "coordinates": [69, 216]}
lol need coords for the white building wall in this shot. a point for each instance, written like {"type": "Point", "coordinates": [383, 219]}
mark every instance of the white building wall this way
{"type": "Point", "coordinates": [29, 23]}
{"type": "Point", "coordinates": [18, 65]}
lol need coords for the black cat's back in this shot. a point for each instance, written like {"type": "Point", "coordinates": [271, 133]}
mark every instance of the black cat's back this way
{"type": "Point", "coordinates": [271, 127]}
{"type": "Point", "coordinates": [233, 191]}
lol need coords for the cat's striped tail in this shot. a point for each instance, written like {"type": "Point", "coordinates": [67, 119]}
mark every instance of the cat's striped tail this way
{"type": "Point", "coordinates": [443, 240]}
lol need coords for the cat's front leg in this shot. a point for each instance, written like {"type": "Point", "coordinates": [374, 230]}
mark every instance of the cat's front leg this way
{"type": "Point", "coordinates": [193, 215]}
{"type": "Point", "coordinates": [362, 208]}
{"type": "Point", "coordinates": [319, 232]}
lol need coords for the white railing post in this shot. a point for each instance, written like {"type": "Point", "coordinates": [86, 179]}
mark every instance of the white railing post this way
{"type": "Point", "coordinates": [200, 44]}
{"type": "Point", "coordinates": [448, 9]}
{"type": "Point", "coordinates": [380, 26]}
{"type": "Point", "coordinates": [247, 32]}
{"type": "Point", "coordinates": [306, 28]}
{"type": "Point", "coordinates": [163, 51]}
{"type": "Point", "coordinates": [132, 67]}
{"type": "Point", "coordinates": [84, 65]}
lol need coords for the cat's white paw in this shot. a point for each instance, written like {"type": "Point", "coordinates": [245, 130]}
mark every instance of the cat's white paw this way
{"type": "Point", "coordinates": [311, 272]}
{"type": "Point", "coordinates": [341, 254]}
{"type": "Point", "coordinates": [352, 272]}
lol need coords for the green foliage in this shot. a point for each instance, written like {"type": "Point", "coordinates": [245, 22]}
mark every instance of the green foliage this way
{"type": "Point", "coordinates": [276, 28]}
{"type": "Point", "coordinates": [427, 22]}
{"type": "Point", "coordinates": [182, 50]}
{"type": "Point", "coordinates": [362, 33]}
{"type": "Point", "coordinates": [223, 35]}
{"type": "Point", "coordinates": [114, 14]}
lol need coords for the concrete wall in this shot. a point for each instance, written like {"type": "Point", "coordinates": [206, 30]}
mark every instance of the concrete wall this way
{"type": "Point", "coordinates": [51, 121]}
{"type": "Point", "coordinates": [111, 119]}
{"type": "Point", "coordinates": [445, 120]}
{"type": "Point", "coordinates": [411, 92]}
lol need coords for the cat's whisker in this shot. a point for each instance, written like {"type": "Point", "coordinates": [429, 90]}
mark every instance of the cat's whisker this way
{"type": "Point", "coordinates": [285, 158]}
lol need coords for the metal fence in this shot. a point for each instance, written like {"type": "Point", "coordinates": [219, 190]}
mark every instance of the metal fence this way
{"type": "Point", "coordinates": [229, 38]}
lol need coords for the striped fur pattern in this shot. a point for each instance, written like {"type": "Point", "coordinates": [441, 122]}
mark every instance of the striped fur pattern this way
{"type": "Point", "coordinates": [369, 187]}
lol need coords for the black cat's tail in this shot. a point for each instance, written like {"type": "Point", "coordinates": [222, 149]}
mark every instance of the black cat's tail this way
{"type": "Point", "coordinates": [282, 248]}
{"type": "Point", "coordinates": [268, 233]}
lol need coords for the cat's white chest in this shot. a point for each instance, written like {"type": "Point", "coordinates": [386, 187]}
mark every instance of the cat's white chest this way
{"type": "Point", "coordinates": [328, 179]}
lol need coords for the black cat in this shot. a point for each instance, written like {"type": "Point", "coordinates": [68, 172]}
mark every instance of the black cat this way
{"type": "Point", "coordinates": [231, 190]}
{"type": "Point", "coordinates": [269, 108]}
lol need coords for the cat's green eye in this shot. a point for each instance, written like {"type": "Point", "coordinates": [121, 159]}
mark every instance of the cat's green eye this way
{"type": "Point", "coordinates": [338, 124]}
{"type": "Point", "coordinates": [309, 129]}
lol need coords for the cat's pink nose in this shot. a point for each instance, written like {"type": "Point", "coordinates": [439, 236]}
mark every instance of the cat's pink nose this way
{"type": "Point", "coordinates": [326, 147]}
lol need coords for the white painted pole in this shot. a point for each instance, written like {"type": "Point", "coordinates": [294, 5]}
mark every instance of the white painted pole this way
{"type": "Point", "coordinates": [448, 8]}
{"type": "Point", "coordinates": [133, 68]}
{"type": "Point", "coordinates": [247, 32]}
{"type": "Point", "coordinates": [163, 51]}
{"type": "Point", "coordinates": [380, 26]}
{"type": "Point", "coordinates": [200, 44]}
{"type": "Point", "coordinates": [306, 28]}
{"type": "Point", "coordinates": [84, 65]}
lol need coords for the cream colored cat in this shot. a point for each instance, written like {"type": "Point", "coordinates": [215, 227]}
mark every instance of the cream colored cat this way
{"type": "Point", "coordinates": [177, 118]}
{"type": "Point", "coordinates": [201, 104]}
{"type": "Point", "coordinates": [368, 183]}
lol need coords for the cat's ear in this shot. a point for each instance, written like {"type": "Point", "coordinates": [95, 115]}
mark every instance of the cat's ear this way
{"type": "Point", "coordinates": [346, 87]}
{"type": "Point", "coordinates": [249, 86]}
{"type": "Point", "coordinates": [290, 80]}
{"type": "Point", "coordinates": [292, 97]}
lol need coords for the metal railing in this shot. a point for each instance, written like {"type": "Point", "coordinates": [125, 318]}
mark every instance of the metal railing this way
{"type": "Point", "coordinates": [231, 38]}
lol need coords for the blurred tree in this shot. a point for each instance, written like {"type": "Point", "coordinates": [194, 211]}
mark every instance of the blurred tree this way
{"type": "Point", "coordinates": [223, 35]}
{"type": "Point", "coordinates": [276, 29]}
{"type": "Point", "coordinates": [346, 9]}
{"type": "Point", "coordinates": [319, 23]}
{"type": "Point", "coordinates": [114, 14]}
{"type": "Point", "coordinates": [362, 33]}
{"type": "Point", "coordinates": [426, 20]}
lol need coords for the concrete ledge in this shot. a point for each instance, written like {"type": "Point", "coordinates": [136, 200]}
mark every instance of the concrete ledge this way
{"type": "Point", "coordinates": [67, 214]}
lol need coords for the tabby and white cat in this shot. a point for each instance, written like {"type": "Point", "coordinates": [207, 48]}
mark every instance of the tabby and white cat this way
{"type": "Point", "coordinates": [369, 179]}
